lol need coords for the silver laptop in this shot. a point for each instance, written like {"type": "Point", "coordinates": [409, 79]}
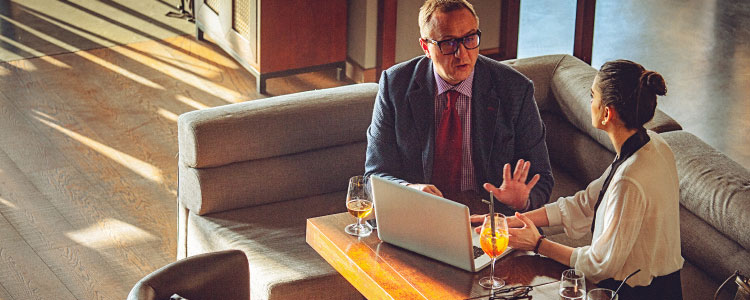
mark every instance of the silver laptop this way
{"type": "Point", "coordinates": [427, 224]}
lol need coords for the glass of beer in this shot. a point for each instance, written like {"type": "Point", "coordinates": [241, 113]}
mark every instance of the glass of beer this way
{"type": "Point", "coordinates": [493, 239]}
{"type": "Point", "coordinates": [572, 285]}
{"type": "Point", "coordinates": [359, 204]}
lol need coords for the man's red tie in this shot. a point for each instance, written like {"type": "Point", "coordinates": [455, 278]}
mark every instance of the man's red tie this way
{"type": "Point", "coordinates": [446, 167]}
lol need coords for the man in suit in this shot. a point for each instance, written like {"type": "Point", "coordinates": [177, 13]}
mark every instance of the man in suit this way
{"type": "Point", "coordinates": [448, 121]}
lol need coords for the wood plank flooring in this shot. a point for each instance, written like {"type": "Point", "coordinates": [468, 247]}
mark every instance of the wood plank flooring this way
{"type": "Point", "coordinates": [88, 163]}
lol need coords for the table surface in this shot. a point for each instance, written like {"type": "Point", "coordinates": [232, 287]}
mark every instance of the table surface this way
{"type": "Point", "coordinates": [382, 271]}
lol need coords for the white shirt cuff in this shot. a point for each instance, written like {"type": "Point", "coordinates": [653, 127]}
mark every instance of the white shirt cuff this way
{"type": "Point", "coordinates": [553, 214]}
{"type": "Point", "coordinates": [574, 255]}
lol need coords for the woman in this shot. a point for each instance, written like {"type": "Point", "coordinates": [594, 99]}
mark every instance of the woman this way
{"type": "Point", "coordinates": [632, 209]}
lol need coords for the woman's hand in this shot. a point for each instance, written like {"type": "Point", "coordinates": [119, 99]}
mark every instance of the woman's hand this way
{"type": "Point", "coordinates": [514, 191]}
{"type": "Point", "coordinates": [526, 237]}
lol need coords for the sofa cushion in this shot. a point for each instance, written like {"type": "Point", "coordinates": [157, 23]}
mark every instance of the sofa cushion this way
{"type": "Point", "coordinates": [696, 284]}
{"type": "Point", "coordinates": [282, 265]}
{"type": "Point", "coordinates": [275, 126]}
{"type": "Point", "coordinates": [574, 152]}
{"type": "Point", "coordinates": [712, 186]}
{"type": "Point", "coordinates": [565, 185]}
{"type": "Point", "coordinates": [261, 181]}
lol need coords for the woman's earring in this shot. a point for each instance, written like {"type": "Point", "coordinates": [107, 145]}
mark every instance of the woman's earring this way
{"type": "Point", "coordinates": [604, 122]}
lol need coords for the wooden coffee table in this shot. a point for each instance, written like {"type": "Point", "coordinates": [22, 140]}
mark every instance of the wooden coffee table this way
{"type": "Point", "coordinates": [382, 271]}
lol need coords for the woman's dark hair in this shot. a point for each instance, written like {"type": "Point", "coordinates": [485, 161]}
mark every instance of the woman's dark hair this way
{"type": "Point", "coordinates": [631, 89]}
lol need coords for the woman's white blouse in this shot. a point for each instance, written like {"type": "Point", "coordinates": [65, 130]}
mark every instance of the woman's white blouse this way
{"type": "Point", "coordinates": [638, 223]}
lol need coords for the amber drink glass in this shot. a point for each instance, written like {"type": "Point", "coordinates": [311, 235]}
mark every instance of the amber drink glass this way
{"type": "Point", "coordinates": [493, 242]}
{"type": "Point", "coordinates": [359, 205]}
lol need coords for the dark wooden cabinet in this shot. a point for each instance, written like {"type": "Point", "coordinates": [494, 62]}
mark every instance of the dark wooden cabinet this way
{"type": "Point", "coordinates": [274, 38]}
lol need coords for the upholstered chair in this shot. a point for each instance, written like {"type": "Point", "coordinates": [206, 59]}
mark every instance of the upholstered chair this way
{"type": "Point", "coordinates": [214, 275]}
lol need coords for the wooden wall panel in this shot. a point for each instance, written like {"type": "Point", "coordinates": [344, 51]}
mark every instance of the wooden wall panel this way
{"type": "Point", "coordinates": [301, 33]}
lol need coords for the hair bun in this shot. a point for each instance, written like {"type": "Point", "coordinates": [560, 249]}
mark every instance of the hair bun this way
{"type": "Point", "coordinates": [655, 82]}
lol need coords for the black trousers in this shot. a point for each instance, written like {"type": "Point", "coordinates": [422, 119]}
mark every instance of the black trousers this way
{"type": "Point", "coordinates": [665, 287]}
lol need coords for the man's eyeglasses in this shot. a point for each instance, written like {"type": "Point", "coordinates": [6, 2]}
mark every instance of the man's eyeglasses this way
{"type": "Point", "coordinates": [450, 46]}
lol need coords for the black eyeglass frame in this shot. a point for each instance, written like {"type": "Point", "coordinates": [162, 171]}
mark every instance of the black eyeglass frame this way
{"type": "Point", "coordinates": [458, 41]}
{"type": "Point", "coordinates": [513, 293]}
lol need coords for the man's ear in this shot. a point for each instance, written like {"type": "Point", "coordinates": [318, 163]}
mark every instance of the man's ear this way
{"type": "Point", "coordinates": [424, 47]}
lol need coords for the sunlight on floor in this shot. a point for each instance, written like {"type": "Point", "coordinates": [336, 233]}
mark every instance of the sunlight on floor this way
{"type": "Point", "coordinates": [191, 102]}
{"type": "Point", "coordinates": [39, 34]}
{"type": "Point", "coordinates": [110, 233]}
{"type": "Point", "coordinates": [88, 24]}
{"type": "Point", "coordinates": [204, 50]}
{"type": "Point", "coordinates": [172, 67]}
{"type": "Point", "coordinates": [23, 65]}
{"type": "Point", "coordinates": [7, 203]}
{"type": "Point", "coordinates": [138, 166]}
{"type": "Point", "coordinates": [167, 114]}
{"type": "Point", "coordinates": [23, 47]}
{"type": "Point", "coordinates": [119, 70]}
{"type": "Point", "coordinates": [84, 54]}
{"type": "Point", "coordinates": [19, 45]}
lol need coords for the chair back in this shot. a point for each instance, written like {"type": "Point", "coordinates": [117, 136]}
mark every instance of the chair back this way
{"type": "Point", "coordinates": [215, 275]}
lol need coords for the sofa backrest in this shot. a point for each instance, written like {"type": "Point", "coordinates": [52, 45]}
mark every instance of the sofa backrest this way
{"type": "Point", "coordinates": [562, 84]}
{"type": "Point", "coordinates": [273, 149]}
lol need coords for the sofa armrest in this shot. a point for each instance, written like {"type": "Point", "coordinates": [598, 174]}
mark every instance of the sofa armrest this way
{"type": "Point", "coordinates": [712, 186]}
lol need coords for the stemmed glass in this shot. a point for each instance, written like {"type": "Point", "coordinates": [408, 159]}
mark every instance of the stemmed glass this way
{"type": "Point", "coordinates": [359, 204]}
{"type": "Point", "coordinates": [572, 285]}
{"type": "Point", "coordinates": [601, 294]}
{"type": "Point", "coordinates": [493, 242]}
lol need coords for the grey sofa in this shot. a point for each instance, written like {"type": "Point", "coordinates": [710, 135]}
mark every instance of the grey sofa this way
{"type": "Point", "coordinates": [251, 173]}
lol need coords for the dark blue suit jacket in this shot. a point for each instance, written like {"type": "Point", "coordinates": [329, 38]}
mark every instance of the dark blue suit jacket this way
{"type": "Point", "coordinates": [506, 126]}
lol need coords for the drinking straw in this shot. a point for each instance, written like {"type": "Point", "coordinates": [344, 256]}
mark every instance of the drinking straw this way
{"type": "Point", "coordinates": [623, 282]}
{"type": "Point", "coordinates": [492, 215]}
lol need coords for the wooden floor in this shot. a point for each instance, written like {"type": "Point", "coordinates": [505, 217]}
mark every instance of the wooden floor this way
{"type": "Point", "coordinates": [88, 139]}
{"type": "Point", "coordinates": [88, 160]}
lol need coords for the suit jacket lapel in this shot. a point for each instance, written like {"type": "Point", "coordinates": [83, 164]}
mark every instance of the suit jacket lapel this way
{"type": "Point", "coordinates": [421, 97]}
{"type": "Point", "coordinates": [485, 117]}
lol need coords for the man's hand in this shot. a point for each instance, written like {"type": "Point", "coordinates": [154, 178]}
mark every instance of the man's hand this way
{"type": "Point", "coordinates": [526, 237]}
{"type": "Point", "coordinates": [478, 220]}
{"type": "Point", "coordinates": [427, 188]}
{"type": "Point", "coordinates": [514, 222]}
{"type": "Point", "coordinates": [514, 191]}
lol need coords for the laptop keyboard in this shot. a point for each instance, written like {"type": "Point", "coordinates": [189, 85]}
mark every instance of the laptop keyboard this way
{"type": "Point", "coordinates": [478, 252]}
